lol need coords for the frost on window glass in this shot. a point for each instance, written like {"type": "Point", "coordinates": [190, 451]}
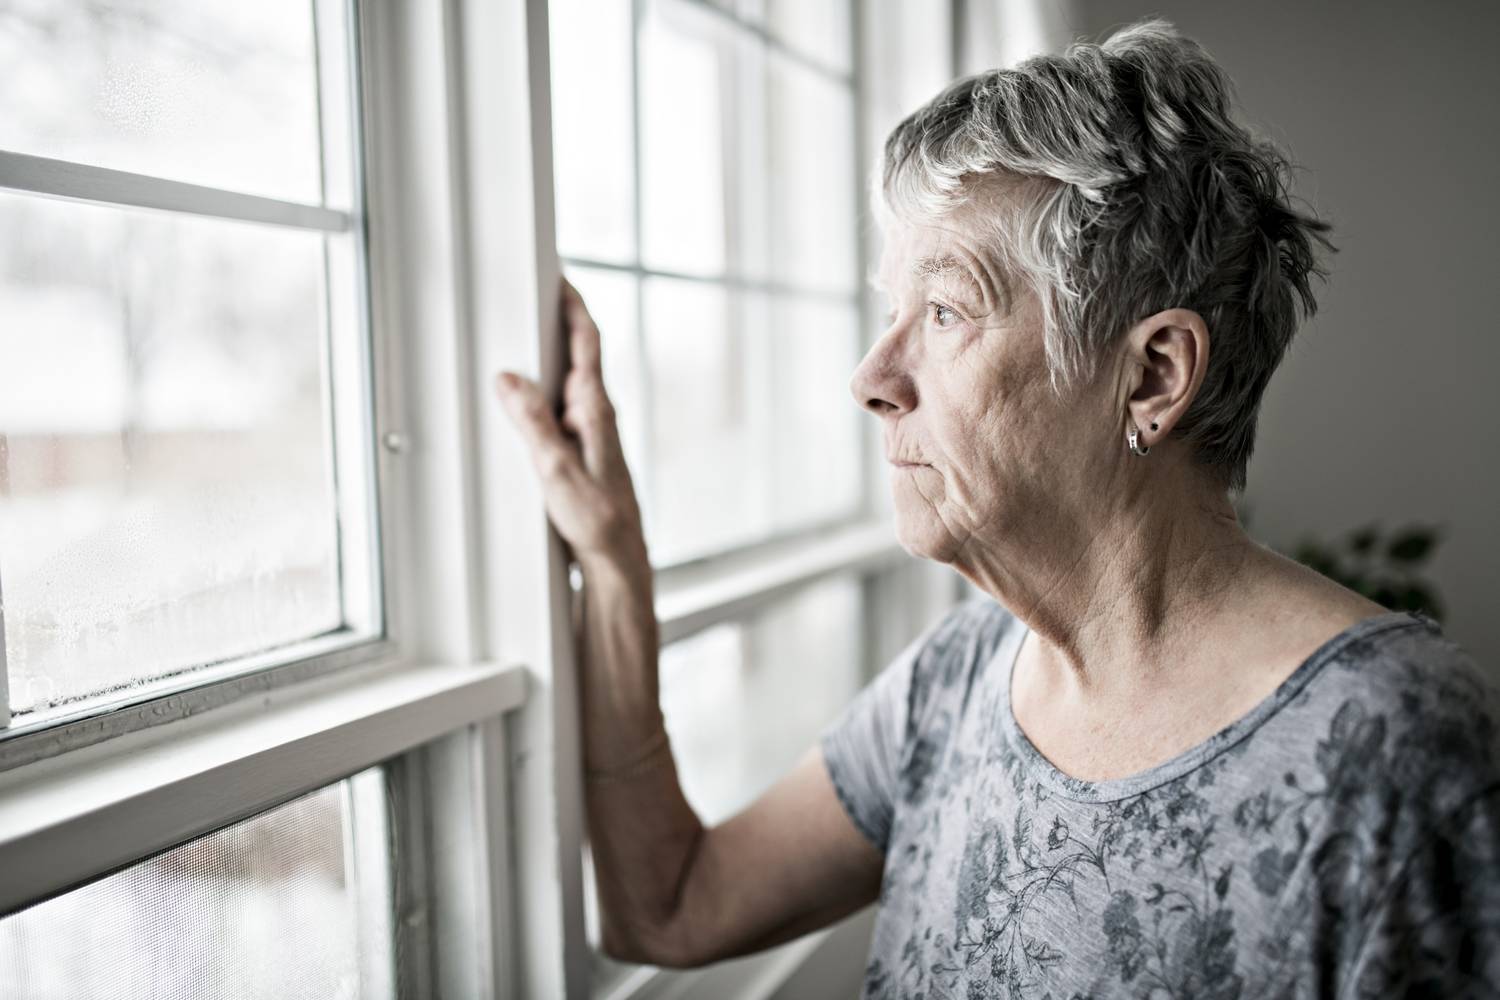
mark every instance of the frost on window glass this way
{"type": "Point", "coordinates": [166, 486]}
{"type": "Point", "coordinates": [170, 437]}
{"type": "Point", "coordinates": [289, 904]}
{"type": "Point", "coordinates": [213, 92]}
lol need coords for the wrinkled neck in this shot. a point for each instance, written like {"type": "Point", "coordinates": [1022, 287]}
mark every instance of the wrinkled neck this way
{"type": "Point", "coordinates": [1112, 585]}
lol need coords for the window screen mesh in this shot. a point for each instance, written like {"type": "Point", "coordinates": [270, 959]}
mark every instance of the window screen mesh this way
{"type": "Point", "coordinates": [272, 907]}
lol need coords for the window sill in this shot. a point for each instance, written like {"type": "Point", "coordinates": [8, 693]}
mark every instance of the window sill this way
{"type": "Point", "coordinates": [70, 819]}
{"type": "Point", "coordinates": [695, 596]}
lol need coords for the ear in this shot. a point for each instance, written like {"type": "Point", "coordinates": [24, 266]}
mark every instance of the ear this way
{"type": "Point", "coordinates": [1166, 359]}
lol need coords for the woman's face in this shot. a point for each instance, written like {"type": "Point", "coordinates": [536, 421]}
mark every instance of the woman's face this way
{"type": "Point", "coordinates": [978, 443]}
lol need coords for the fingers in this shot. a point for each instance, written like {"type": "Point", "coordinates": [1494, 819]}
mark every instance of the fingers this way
{"type": "Point", "coordinates": [583, 332]}
{"type": "Point", "coordinates": [554, 456]}
{"type": "Point", "coordinates": [590, 416]}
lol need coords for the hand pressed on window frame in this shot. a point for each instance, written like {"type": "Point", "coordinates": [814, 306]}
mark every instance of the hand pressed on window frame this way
{"type": "Point", "coordinates": [585, 482]}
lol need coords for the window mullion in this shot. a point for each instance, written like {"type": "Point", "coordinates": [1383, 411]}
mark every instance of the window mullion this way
{"type": "Point", "coordinates": [508, 278]}
{"type": "Point", "coordinates": [103, 185]}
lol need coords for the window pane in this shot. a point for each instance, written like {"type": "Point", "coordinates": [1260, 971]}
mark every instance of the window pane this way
{"type": "Point", "coordinates": [682, 118]}
{"type": "Point", "coordinates": [166, 473]}
{"type": "Point", "coordinates": [275, 907]}
{"type": "Point", "coordinates": [753, 431]}
{"type": "Point", "coordinates": [813, 183]}
{"type": "Point", "coordinates": [743, 702]}
{"type": "Point", "coordinates": [815, 452]}
{"type": "Point", "coordinates": [705, 369]}
{"type": "Point", "coordinates": [592, 129]}
{"type": "Point", "coordinates": [220, 93]}
{"type": "Point", "coordinates": [819, 29]}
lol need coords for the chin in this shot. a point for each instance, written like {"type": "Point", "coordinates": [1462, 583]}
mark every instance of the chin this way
{"type": "Point", "coordinates": [921, 533]}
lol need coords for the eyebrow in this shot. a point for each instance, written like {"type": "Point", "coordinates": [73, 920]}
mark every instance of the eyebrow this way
{"type": "Point", "coordinates": [938, 264]}
{"type": "Point", "coordinates": [942, 264]}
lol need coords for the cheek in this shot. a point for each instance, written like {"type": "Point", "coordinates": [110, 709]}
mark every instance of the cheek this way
{"type": "Point", "coordinates": [991, 426]}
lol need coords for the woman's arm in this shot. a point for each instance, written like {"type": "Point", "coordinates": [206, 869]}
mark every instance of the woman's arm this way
{"type": "Point", "coordinates": [671, 891]}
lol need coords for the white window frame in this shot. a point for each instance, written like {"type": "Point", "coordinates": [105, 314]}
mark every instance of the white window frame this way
{"type": "Point", "coordinates": [115, 783]}
{"type": "Point", "coordinates": [898, 594]}
{"type": "Point", "coordinates": [470, 698]}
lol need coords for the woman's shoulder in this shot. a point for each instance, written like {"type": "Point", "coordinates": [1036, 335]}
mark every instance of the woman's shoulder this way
{"type": "Point", "coordinates": [1405, 660]}
{"type": "Point", "coordinates": [1414, 707]}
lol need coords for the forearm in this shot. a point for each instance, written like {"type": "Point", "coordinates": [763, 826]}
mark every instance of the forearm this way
{"type": "Point", "coordinates": [643, 832]}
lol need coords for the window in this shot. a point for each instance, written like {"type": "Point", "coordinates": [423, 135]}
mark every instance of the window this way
{"type": "Point", "coordinates": [710, 208]}
{"type": "Point", "coordinates": [706, 204]}
{"type": "Point", "coordinates": [227, 765]}
{"type": "Point", "coordinates": [300, 895]}
{"type": "Point", "coordinates": [285, 636]}
{"type": "Point", "coordinates": [185, 464]}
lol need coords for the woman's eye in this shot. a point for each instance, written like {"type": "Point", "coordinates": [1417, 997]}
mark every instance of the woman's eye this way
{"type": "Point", "coordinates": [942, 315]}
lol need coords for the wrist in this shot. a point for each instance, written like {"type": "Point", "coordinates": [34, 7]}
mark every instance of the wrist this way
{"type": "Point", "coordinates": [628, 566]}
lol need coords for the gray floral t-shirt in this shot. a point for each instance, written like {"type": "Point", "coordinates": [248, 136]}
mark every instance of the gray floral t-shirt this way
{"type": "Point", "coordinates": [1341, 840]}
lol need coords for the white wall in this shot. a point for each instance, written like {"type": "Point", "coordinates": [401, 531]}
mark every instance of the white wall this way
{"type": "Point", "coordinates": [1387, 408]}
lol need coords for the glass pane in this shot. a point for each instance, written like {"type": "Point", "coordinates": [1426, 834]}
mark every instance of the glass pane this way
{"type": "Point", "coordinates": [819, 29]}
{"type": "Point", "coordinates": [704, 369]}
{"type": "Point", "coordinates": [749, 224]}
{"type": "Point", "coordinates": [743, 702]}
{"type": "Point", "coordinates": [815, 452]}
{"type": "Point", "coordinates": [814, 188]}
{"type": "Point", "coordinates": [276, 907]}
{"type": "Point", "coordinates": [592, 129]}
{"type": "Point", "coordinates": [682, 144]}
{"type": "Point", "coordinates": [166, 478]}
{"type": "Point", "coordinates": [753, 431]}
{"type": "Point", "coordinates": [221, 93]}
{"type": "Point", "coordinates": [923, 66]}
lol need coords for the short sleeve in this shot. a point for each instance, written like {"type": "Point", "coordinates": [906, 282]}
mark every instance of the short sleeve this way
{"type": "Point", "coordinates": [862, 748]}
{"type": "Point", "coordinates": [1437, 932]}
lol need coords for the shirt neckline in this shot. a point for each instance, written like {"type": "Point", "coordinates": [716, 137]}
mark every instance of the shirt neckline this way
{"type": "Point", "coordinates": [1114, 789]}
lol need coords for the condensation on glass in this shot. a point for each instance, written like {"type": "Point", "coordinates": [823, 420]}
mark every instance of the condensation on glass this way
{"type": "Point", "coordinates": [293, 903]}
{"type": "Point", "coordinates": [724, 276]}
{"type": "Point", "coordinates": [180, 483]}
{"type": "Point", "coordinates": [212, 92]}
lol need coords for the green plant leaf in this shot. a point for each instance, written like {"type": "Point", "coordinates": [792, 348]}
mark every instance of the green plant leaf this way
{"type": "Point", "coordinates": [1316, 557]}
{"type": "Point", "coordinates": [1364, 539]}
{"type": "Point", "coordinates": [1419, 597]}
{"type": "Point", "coordinates": [1412, 545]}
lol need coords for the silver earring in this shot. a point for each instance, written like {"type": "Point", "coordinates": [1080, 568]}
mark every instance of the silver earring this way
{"type": "Point", "coordinates": [1134, 438]}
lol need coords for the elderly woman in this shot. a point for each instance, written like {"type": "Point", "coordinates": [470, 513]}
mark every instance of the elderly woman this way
{"type": "Point", "coordinates": [1157, 759]}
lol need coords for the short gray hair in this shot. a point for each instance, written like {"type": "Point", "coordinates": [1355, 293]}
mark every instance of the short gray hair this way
{"type": "Point", "coordinates": [1132, 191]}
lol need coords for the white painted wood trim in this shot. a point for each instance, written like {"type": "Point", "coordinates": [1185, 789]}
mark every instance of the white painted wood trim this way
{"type": "Point", "coordinates": [501, 149]}
{"type": "Point", "coordinates": [82, 182]}
{"type": "Point", "coordinates": [693, 597]}
{"type": "Point", "coordinates": [68, 820]}
{"type": "Point", "coordinates": [36, 736]}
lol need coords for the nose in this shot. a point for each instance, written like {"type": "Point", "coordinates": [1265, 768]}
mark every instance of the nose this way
{"type": "Point", "coordinates": [881, 384]}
